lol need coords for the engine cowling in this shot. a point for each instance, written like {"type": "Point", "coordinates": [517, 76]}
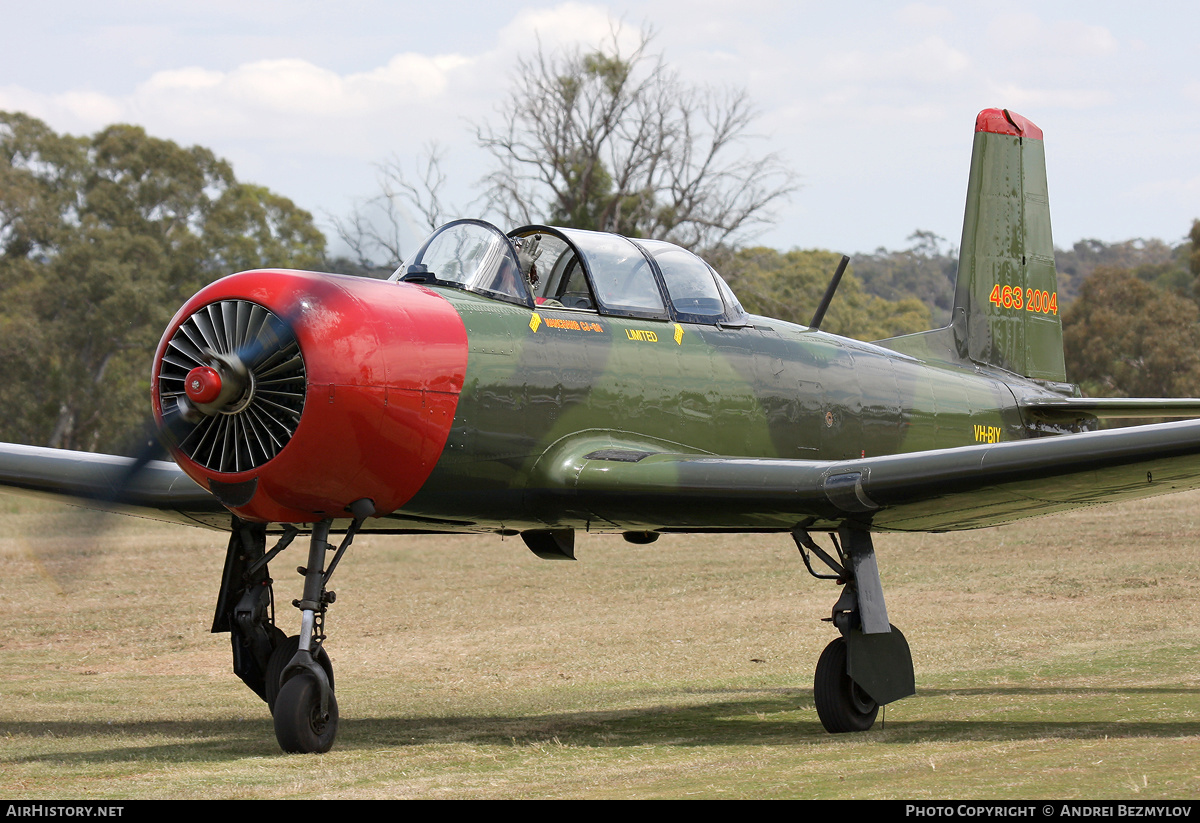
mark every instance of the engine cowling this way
{"type": "Point", "coordinates": [357, 402]}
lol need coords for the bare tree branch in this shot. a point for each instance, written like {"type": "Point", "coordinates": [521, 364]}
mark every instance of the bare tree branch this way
{"type": "Point", "coordinates": [376, 228]}
{"type": "Point", "coordinates": [614, 140]}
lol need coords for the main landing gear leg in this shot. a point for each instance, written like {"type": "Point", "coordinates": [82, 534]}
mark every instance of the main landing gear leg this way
{"type": "Point", "coordinates": [245, 604]}
{"type": "Point", "coordinates": [870, 665]}
{"type": "Point", "coordinates": [305, 709]}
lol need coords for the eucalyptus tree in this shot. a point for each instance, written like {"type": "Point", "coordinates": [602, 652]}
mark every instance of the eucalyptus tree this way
{"type": "Point", "coordinates": [101, 239]}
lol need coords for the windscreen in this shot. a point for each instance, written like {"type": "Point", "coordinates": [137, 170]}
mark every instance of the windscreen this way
{"type": "Point", "coordinates": [470, 254]}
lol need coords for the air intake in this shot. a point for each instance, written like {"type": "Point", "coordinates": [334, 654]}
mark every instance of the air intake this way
{"type": "Point", "coordinates": [253, 428]}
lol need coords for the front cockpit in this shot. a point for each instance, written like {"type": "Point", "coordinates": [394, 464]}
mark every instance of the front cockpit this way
{"type": "Point", "coordinates": [576, 270]}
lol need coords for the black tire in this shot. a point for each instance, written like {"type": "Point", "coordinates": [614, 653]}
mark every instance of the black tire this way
{"type": "Point", "coordinates": [841, 703]}
{"type": "Point", "coordinates": [278, 636]}
{"type": "Point", "coordinates": [280, 657]}
{"type": "Point", "coordinates": [299, 726]}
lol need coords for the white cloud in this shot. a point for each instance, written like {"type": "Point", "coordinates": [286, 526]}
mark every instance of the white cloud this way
{"type": "Point", "coordinates": [293, 87]}
{"type": "Point", "coordinates": [561, 25]}
{"type": "Point", "coordinates": [1015, 96]}
{"type": "Point", "coordinates": [89, 106]}
{"type": "Point", "coordinates": [72, 111]}
{"type": "Point", "coordinates": [288, 87]}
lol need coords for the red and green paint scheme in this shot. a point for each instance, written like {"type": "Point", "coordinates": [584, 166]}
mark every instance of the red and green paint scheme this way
{"type": "Point", "coordinates": [550, 381]}
{"type": "Point", "coordinates": [621, 394]}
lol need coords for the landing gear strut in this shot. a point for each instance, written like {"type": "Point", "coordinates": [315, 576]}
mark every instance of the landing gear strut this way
{"type": "Point", "coordinates": [292, 674]}
{"type": "Point", "coordinates": [305, 709]}
{"type": "Point", "coordinates": [870, 665]}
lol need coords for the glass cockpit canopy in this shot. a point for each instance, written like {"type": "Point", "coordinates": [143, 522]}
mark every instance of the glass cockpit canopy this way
{"type": "Point", "coordinates": [471, 255]}
{"type": "Point", "coordinates": [577, 270]}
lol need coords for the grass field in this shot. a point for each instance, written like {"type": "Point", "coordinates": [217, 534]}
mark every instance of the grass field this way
{"type": "Point", "coordinates": [1054, 659]}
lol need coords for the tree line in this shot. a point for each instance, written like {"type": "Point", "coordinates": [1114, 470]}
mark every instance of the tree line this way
{"type": "Point", "coordinates": [1130, 310]}
{"type": "Point", "coordinates": [101, 239]}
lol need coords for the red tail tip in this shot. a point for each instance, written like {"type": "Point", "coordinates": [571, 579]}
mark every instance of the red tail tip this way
{"type": "Point", "coordinates": [1003, 121]}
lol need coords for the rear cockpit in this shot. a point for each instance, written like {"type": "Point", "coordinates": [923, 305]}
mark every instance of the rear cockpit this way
{"type": "Point", "coordinates": [576, 270]}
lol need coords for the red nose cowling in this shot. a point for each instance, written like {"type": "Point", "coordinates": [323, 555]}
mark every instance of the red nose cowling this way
{"type": "Point", "coordinates": [384, 365]}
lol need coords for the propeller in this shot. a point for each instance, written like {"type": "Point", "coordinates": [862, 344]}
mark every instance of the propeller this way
{"type": "Point", "coordinates": [232, 385]}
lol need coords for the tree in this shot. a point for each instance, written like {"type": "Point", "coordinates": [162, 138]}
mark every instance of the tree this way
{"type": "Point", "coordinates": [923, 271]}
{"type": "Point", "coordinates": [790, 286]}
{"type": "Point", "coordinates": [617, 141]}
{"type": "Point", "coordinates": [1149, 258]}
{"type": "Point", "coordinates": [101, 238]}
{"type": "Point", "coordinates": [1126, 337]}
{"type": "Point", "coordinates": [1194, 254]}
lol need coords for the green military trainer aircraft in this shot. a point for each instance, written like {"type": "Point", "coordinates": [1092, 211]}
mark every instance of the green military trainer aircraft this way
{"type": "Point", "coordinates": [551, 380]}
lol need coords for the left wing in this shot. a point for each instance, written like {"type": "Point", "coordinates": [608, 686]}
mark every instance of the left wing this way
{"type": "Point", "coordinates": [634, 487]}
{"type": "Point", "coordinates": [948, 489]}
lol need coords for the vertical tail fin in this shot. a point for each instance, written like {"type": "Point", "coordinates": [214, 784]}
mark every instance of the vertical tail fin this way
{"type": "Point", "coordinates": [1006, 297]}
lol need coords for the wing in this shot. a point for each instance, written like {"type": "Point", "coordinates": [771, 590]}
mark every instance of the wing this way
{"type": "Point", "coordinates": [948, 489]}
{"type": "Point", "coordinates": [1068, 408]}
{"type": "Point", "coordinates": [160, 490]}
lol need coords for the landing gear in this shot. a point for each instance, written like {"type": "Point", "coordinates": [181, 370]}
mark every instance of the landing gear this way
{"type": "Point", "coordinates": [870, 665]}
{"type": "Point", "coordinates": [292, 674]}
{"type": "Point", "coordinates": [842, 704]}
{"type": "Point", "coordinates": [305, 708]}
{"type": "Point", "coordinates": [302, 726]}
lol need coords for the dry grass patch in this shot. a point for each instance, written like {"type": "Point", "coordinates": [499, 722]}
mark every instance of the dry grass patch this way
{"type": "Point", "coordinates": [1055, 658]}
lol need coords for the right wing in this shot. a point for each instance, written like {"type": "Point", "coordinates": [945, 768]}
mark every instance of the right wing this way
{"type": "Point", "coordinates": [634, 488]}
{"type": "Point", "coordinates": [159, 490]}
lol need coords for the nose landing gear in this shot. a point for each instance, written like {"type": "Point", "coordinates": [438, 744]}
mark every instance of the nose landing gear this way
{"type": "Point", "coordinates": [292, 674]}
{"type": "Point", "coordinates": [305, 709]}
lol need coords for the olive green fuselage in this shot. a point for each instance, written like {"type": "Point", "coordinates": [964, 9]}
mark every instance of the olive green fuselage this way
{"type": "Point", "coordinates": [541, 382]}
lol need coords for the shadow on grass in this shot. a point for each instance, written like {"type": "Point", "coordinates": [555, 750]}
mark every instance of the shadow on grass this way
{"type": "Point", "coordinates": [1061, 691]}
{"type": "Point", "coordinates": [776, 717]}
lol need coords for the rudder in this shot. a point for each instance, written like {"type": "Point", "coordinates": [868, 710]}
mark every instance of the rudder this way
{"type": "Point", "coordinates": [1006, 295]}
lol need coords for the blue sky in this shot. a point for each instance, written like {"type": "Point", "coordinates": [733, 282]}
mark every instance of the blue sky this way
{"type": "Point", "coordinates": [872, 104]}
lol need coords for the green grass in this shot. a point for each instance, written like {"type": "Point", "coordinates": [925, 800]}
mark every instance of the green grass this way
{"type": "Point", "coordinates": [1055, 659]}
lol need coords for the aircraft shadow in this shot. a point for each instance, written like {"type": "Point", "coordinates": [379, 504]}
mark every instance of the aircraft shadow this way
{"type": "Point", "coordinates": [754, 720]}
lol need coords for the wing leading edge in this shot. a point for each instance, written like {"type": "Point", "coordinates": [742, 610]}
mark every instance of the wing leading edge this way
{"type": "Point", "coordinates": [943, 490]}
{"type": "Point", "coordinates": [160, 490]}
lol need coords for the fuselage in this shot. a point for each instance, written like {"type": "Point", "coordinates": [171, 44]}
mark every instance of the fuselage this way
{"type": "Point", "coordinates": [537, 379]}
{"type": "Point", "coordinates": [469, 392]}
